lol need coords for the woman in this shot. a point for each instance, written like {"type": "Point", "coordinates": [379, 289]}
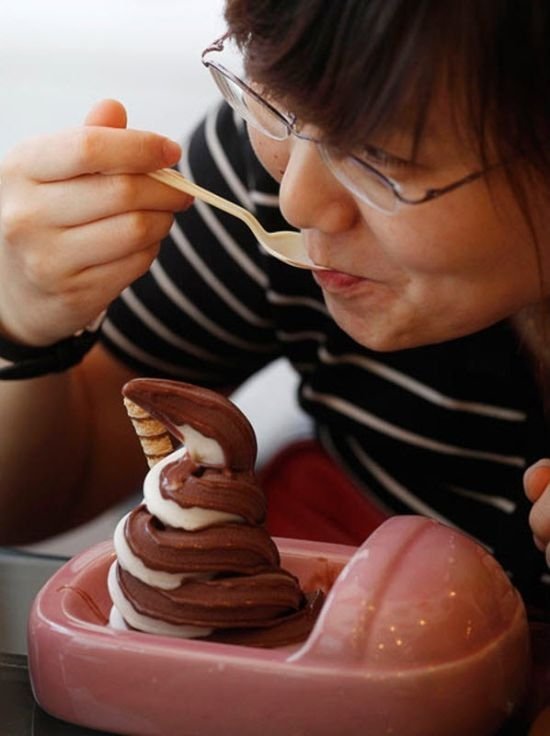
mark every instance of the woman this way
{"type": "Point", "coordinates": [409, 144]}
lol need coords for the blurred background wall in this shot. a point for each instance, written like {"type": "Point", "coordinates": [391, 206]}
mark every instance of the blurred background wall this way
{"type": "Point", "coordinates": [57, 57]}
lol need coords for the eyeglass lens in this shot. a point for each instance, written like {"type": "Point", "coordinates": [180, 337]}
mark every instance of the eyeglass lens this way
{"type": "Point", "coordinates": [363, 182]}
{"type": "Point", "coordinates": [253, 110]}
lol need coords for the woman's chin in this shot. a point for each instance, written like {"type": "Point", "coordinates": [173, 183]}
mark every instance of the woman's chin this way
{"type": "Point", "coordinates": [378, 334]}
{"type": "Point", "coordinates": [374, 322]}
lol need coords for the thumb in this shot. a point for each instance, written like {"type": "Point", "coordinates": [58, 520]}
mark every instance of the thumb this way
{"type": "Point", "coordinates": [110, 113]}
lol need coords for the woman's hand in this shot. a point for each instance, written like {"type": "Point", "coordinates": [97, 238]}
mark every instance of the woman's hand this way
{"type": "Point", "coordinates": [536, 482]}
{"type": "Point", "coordinates": [79, 221]}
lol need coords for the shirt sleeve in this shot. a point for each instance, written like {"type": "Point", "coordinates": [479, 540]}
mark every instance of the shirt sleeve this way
{"type": "Point", "coordinates": [200, 314]}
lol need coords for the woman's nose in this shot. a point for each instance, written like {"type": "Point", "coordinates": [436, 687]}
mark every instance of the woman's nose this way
{"type": "Point", "coordinates": [310, 197]}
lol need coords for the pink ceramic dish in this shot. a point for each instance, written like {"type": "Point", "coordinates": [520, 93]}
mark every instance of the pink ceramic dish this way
{"type": "Point", "coordinates": [420, 635]}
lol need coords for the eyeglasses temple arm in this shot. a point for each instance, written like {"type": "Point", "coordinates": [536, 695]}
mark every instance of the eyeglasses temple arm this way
{"type": "Point", "coordinates": [435, 193]}
{"type": "Point", "coordinates": [216, 45]}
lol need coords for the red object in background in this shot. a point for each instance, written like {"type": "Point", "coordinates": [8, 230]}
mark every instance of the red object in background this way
{"type": "Point", "coordinates": [309, 497]}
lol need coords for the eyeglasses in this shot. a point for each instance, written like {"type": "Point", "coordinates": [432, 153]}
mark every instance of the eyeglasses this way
{"type": "Point", "coordinates": [356, 175]}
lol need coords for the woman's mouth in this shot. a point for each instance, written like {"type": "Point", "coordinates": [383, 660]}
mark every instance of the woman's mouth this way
{"type": "Point", "coordinates": [336, 282]}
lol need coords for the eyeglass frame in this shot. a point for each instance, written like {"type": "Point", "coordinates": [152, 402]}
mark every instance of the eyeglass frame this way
{"type": "Point", "coordinates": [290, 123]}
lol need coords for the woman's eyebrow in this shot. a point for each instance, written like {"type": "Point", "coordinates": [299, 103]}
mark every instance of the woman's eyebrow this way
{"type": "Point", "coordinates": [404, 137]}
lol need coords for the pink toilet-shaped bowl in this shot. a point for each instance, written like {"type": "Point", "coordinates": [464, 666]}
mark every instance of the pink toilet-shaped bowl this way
{"type": "Point", "coordinates": [421, 634]}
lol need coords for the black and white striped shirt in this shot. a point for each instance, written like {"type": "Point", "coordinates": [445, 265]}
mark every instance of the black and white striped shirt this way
{"type": "Point", "coordinates": [444, 430]}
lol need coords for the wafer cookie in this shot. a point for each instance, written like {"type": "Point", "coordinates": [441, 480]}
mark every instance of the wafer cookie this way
{"type": "Point", "coordinates": [154, 438]}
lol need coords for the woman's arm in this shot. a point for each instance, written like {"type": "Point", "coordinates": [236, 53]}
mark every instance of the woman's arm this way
{"type": "Point", "coordinates": [67, 449]}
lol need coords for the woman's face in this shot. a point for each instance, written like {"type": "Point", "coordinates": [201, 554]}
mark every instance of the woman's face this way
{"type": "Point", "coordinates": [427, 273]}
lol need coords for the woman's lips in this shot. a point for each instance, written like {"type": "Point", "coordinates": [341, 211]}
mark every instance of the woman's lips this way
{"type": "Point", "coordinates": [336, 281]}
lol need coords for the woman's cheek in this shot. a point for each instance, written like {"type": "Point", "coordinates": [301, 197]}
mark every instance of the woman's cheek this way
{"type": "Point", "coordinates": [273, 155]}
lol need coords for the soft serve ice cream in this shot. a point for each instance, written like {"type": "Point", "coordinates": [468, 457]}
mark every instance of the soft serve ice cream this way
{"type": "Point", "coordinates": [193, 560]}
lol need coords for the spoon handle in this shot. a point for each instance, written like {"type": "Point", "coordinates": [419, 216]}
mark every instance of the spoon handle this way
{"type": "Point", "coordinates": [286, 246]}
{"type": "Point", "coordinates": [178, 181]}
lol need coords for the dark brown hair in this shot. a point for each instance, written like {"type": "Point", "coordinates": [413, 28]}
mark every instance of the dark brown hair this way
{"type": "Point", "coordinates": [355, 67]}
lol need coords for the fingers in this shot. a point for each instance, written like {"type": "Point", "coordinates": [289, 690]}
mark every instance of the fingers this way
{"type": "Point", "coordinates": [536, 478]}
{"type": "Point", "coordinates": [68, 283]}
{"type": "Point", "coordinates": [539, 521]}
{"type": "Point", "coordinates": [95, 197]}
{"type": "Point", "coordinates": [108, 280]}
{"type": "Point", "coordinates": [90, 150]}
{"type": "Point", "coordinates": [536, 481]}
{"type": "Point", "coordinates": [56, 270]}
{"type": "Point", "coordinates": [115, 237]}
{"type": "Point", "coordinates": [88, 293]}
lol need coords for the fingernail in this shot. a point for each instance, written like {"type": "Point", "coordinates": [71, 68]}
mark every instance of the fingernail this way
{"type": "Point", "coordinates": [542, 463]}
{"type": "Point", "coordinates": [534, 483]}
{"type": "Point", "coordinates": [171, 150]}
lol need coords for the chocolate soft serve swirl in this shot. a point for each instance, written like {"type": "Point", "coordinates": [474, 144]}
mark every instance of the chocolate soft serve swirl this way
{"type": "Point", "coordinates": [234, 492]}
{"type": "Point", "coordinates": [194, 559]}
{"type": "Point", "coordinates": [230, 547]}
{"type": "Point", "coordinates": [177, 405]}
